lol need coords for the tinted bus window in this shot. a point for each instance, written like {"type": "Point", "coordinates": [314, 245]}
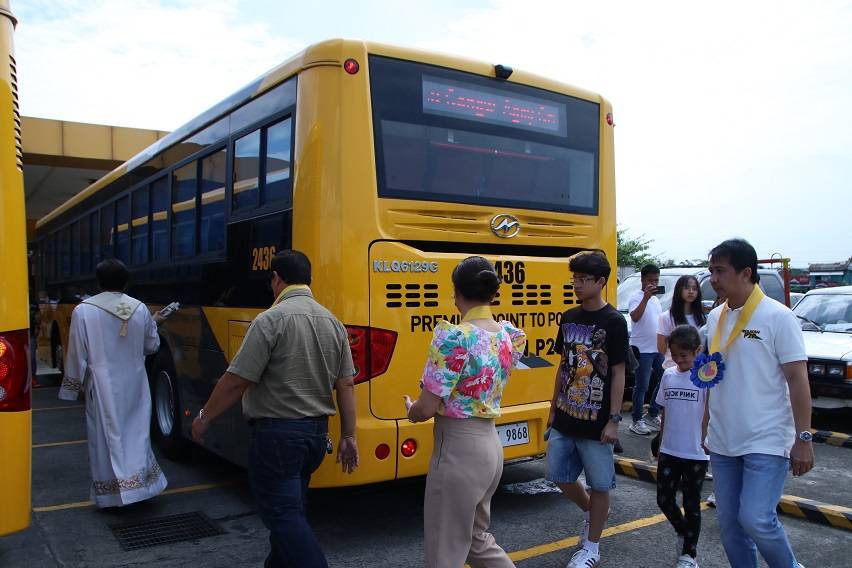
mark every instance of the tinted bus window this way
{"type": "Point", "coordinates": [139, 227]}
{"type": "Point", "coordinates": [444, 135]}
{"type": "Point", "coordinates": [183, 210]}
{"type": "Point", "coordinates": [65, 252]}
{"type": "Point", "coordinates": [122, 229]}
{"type": "Point", "coordinates": [86, 244]}
{"type": "Point", "coordinates": [160, 219]}
{"type": "Point", "coordinates": [213, 201]}
{"type": "Point", "coordinates": [246, 170]}
{"type": "Point", "coordinates": [76, 247]}
{"type": "Point", "coordinates": [277, 180]}
{"type": "Point", "coordinates": [107, 227]}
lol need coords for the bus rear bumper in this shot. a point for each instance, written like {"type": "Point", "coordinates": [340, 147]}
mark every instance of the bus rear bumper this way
{"type": "Point", "coordinates": [15, 473]}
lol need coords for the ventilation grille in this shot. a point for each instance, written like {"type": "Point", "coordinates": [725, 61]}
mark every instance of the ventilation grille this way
{"type": "Point", "coordinates": [19, 152]}
{"type": "Point", "coordinates": [165, 530]}
{"type": "Point", "coordinates": [531, 295]}
{"type": "Point", "coordinates": [568, 294]}
{"type": "Point", "coordinates": [411, 295]}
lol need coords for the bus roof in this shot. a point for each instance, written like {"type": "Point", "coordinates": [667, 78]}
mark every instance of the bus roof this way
{"type": "Point", "coordinates": [320, 54]}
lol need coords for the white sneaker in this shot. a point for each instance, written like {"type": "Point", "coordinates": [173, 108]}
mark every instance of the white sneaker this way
{"type": "Point", "coordinates": [686, 561]}
{"type": "Point", "coordinates": [711, 500]}
{"type": "Point", "coordinates": [584, 558]}
{"type": "Point", "coordinates": [639, 427]}
{"type": "Point", "coordinates": [653, 423]}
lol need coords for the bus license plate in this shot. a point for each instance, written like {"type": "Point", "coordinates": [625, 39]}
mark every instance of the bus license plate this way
{"type": "Point", "coordinates": [514, 434]}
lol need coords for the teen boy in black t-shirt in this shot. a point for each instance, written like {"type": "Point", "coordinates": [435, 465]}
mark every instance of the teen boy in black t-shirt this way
{"type": "Point", "coordinates": [586, 406]}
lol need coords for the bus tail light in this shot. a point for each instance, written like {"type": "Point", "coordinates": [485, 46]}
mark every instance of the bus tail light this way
{"type": "Point", "coordinates": [849, 372]}
{"type": "Point", "coordinates": [408, 448]}
{"type": "Point", "coordinates": [372, 349]}
{"type": "Point", "coordinates": [351, 66]}
{"type": "Point", "coordinates": [15, 371]}
{"type": "Point", "coordinates": [382, 451]}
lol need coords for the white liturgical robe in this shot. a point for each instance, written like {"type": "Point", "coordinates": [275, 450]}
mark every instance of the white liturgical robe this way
{"type": "Point", "coordinates": [110, 335]}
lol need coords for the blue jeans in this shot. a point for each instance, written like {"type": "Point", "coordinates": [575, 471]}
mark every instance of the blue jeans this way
{"type": "Point", "coordinates": [648, 363]}
{"type": "Point", "coordinates": [748, 489]}
{"type": "Point", "coordinates": [282, 456]}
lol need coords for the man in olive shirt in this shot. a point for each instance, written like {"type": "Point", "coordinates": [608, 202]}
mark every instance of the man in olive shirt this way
{"type": "Point", "coordinates": [292, 357]}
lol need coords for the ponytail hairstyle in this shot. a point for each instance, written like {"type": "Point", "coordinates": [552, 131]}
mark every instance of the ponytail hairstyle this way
{"type": "Point", "coordinates": [476, 280]}
{"type": "Point", "coordinates": [677, 310]}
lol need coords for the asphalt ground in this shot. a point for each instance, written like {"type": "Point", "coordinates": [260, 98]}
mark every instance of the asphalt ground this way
{"type": "Point", "coordinates": [377, 525]}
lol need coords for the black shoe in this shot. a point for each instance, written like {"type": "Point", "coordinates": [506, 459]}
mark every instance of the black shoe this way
{"type": "Point", "coordinates": [618, 448]}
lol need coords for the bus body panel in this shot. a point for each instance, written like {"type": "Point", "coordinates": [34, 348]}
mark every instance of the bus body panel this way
{"type": "Point", "coordinates": [15, 424]}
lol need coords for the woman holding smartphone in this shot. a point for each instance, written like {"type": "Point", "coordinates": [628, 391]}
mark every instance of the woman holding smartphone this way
{"type": "Point", "coordinates": [467, 369]}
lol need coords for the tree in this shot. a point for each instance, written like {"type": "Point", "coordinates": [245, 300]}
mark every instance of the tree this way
{"type": "Point", "coordinates": [632, 251]}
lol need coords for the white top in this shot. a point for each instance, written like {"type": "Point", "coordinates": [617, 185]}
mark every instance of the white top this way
{"type": "Point", "coordinates": [750, 410]}
{"type": "Point", "coordinates": [684, 410]}
{"type": "Point", "coordinates": [643, 333]}
{"type": "Point", "coordinates": [108, 368]}
{"type": "Point", "coordinates": [665, 327]}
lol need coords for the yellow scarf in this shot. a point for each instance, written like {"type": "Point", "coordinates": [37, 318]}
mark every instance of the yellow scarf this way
{"type": "Point", "coordinates": [745, 316]}
{"type": "Point", "coordinates": [478, 312]}
{"type": "Point", "coordinates": [290, 289]}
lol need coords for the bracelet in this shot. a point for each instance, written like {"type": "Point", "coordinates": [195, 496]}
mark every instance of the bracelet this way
{"type": "Point", "coordinates": [201, 414]}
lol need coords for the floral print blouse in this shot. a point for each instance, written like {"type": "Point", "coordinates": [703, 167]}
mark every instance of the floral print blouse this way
{"type": "Point", "coordinates": [468, 367]}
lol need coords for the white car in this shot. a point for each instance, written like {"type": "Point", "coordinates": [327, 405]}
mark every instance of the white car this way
{"type": "Point", "coordinates": [826, 318]}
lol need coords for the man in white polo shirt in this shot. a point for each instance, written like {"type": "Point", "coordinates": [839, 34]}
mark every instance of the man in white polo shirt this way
{"type": "Point", "coordinates": [760, 409]}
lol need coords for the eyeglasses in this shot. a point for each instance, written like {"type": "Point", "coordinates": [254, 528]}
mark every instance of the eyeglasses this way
{"type": "Point", "coordinates": [582, 279]}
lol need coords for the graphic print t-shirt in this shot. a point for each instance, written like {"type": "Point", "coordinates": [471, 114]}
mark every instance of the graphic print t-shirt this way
{"type": "Point", "coordinates": [590, 344]}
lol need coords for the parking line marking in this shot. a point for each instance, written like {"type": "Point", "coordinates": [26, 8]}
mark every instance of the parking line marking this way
{"type": "Point", "coordinates": [175, 491]}
{"type": "Point", "coordinates": [555, 546]}
{"type": "Point", "coordinates": [52, 444]}
{"type": "Point", "coordinates": [60, 407]}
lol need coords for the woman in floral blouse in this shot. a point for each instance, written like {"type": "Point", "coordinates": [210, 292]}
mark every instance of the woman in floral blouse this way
{"type": "Point", "coordinates": [468, 367]}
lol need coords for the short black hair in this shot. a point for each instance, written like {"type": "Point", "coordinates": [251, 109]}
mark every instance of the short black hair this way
{"type": "Point", "coordinates": [593, 263]}
{"type": "Point", "coordinates": [685, 337]}
{"type": "Point", "coordinates": [292, 266]}
{"type": "Point", "coordinates": [650, 269]}
{"type": "Point", "coordinates": [476, 279]}
{"type": "Point", "coordinates": [112, 275]}
{"type": "Point", "coordinates": [740, 254]}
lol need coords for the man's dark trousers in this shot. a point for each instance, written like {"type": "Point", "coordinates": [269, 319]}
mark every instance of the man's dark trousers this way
{"type": "Point", "coordinates": [282, 456]}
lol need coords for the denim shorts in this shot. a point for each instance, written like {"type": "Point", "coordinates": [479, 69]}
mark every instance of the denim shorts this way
{"type": "Point", "coordinates": [568, 456]}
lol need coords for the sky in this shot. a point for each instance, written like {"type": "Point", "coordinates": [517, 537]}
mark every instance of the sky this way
{"type": "Point", "coordinates": [733, 118]}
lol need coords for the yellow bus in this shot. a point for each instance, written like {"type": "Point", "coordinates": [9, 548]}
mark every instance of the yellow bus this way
{"type": "Point", "coordinates": [15, 384]}
{"type": "Point", "coordinates": [386, 166]}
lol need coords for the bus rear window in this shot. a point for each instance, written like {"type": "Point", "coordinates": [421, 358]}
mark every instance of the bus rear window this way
{"type": "Point", "coordinates": [443, 135]}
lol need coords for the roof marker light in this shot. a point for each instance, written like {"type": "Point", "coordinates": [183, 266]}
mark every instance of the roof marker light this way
{"type": "Point", "coordinates": [351, 66]}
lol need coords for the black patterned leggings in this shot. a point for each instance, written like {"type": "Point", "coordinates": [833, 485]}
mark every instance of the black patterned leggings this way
{"type": "Point", "coordinates": [671, 472]}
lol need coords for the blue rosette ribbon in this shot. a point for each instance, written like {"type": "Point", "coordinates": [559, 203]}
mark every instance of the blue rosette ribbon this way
{"type": "Point", "coordinates": [707, 370]}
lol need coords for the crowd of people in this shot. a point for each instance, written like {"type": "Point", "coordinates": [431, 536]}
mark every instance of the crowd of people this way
{"type": "Point", "coordinates": [733, 393]}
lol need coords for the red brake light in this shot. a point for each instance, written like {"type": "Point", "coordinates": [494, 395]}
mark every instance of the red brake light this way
{"type": "Point", "coordinates": [609, 119]}
{"type": "Point", "coordinates": [408, 448]}
{"type": "Point", "coordinates": [382, 451]}
{"type": "Point", "coordinates": [372, 349]}
{"type": "Point", "coordinates": [15, 371]}
{"type": "Point", "coordinates": [351, 66]}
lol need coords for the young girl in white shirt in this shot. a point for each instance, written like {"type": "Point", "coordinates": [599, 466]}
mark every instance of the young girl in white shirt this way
{"type": "Point", "coordinates": [682, 458]}
{"type": "Point", "coordinates": [686, 309]}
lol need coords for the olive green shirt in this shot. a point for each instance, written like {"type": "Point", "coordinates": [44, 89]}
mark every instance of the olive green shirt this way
{"type": "Point", "coordinates": [295, 351]}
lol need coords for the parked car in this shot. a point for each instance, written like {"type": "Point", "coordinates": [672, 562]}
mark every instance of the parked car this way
{"type": "Point", "coordinates": [826, 318]}
{"type": "Point", "coordinates": [795, 297]}
{"type": "Point", "coordinates": [770, 282]}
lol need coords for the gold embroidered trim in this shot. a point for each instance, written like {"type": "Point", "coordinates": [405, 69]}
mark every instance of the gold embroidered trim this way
{"type": "Point", "coordinates": [144, 478]}
{"type": "Point", "coordinates": [72, 385]}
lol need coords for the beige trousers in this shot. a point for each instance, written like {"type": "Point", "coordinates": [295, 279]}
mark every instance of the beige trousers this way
{"type": "Point", "coordinates": [467, 461]}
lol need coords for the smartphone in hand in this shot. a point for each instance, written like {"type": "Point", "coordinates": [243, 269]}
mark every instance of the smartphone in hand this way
{"type": "Point", "coordinates": [169, 310]}
{"type": "Point", "coordinates": [660, 291]}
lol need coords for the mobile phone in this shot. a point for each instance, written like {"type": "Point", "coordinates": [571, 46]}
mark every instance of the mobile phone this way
{"type": "Point", "coordinates": [660, 290]}
{"type": "Point", "coordinates": [170, 309]}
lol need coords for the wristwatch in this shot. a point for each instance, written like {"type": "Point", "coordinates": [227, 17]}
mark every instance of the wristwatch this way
{"type": "Point", "coordinates": [806, 436]}
{"type": "Point", "coordinates": [616, 418]}
{"type": "Point", "coordinates": [201, 414]}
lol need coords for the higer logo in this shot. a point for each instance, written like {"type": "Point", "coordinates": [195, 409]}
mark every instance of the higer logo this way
{"type": "Point", "coordinates": [505, 226]}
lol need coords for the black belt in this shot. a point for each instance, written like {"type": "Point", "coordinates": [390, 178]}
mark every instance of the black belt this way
{"type": "Point", "coordinates": [254, 421]}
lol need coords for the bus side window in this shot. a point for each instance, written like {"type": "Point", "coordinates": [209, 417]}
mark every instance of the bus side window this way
{"type": "Point", "coordinates": [183, 210]}
{"type": "Point", "coordinates": [139, 226]}
{"type": "Point", "coordinates": [160, 219]}
{"type": "Point", "coordinates": [122, 229]}
{"type": "Point", "coordinates": [213, 201]}
{"type": "Point", "coordinates": [246, 171]}
{"type": "Point", "coordinates": [107, 227]}
{"type": "Point", "coordinates": [276, 185]}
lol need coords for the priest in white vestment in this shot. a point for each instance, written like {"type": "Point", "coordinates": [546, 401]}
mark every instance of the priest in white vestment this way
{"type": "Point", "coordinates": [110, 336]}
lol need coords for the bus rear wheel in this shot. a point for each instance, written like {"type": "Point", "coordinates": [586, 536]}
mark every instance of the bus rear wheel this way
{"type": "Point", "coordinates": [165, 408]}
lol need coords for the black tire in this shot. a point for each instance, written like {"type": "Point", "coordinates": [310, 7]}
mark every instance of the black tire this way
{"type": "Point", "coordinates": [165, 408]}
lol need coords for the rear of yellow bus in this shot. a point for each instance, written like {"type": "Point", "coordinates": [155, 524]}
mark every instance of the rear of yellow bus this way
{"type": "Point", "coordinates": [15, 395]}
{"type": "Point", "coordinates": [467, 159]}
